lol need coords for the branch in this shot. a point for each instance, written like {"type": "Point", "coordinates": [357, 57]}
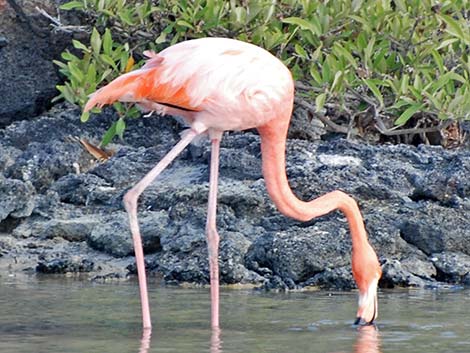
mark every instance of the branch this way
{"type": "Point", "coordinates": [58, 26]}
{"type": "Point", "coordinates": [335, 127]}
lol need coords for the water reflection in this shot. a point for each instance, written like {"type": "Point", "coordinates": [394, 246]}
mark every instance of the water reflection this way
{"type": "Point", "coordinates": [34, 319]}
{"type": "Point", "coordinates": [216, 342]}
{"type": "Point", "coordinates": [145, 341]}
{"type": "Point", "coordinates": [368, 340]}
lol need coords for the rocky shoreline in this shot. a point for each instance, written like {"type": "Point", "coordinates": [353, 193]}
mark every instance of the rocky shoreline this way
{"type": "Point", "coordinates": [61, 210]}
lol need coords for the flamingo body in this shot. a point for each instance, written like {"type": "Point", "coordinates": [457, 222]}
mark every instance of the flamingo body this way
{"type": "Point", "coordinates": [221, 84]}
{"type": "Point", "coordinates": [218, 84]}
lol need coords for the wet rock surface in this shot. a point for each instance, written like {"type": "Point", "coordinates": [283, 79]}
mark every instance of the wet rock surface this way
{"type": "Point", "coordinates": [62, 212]}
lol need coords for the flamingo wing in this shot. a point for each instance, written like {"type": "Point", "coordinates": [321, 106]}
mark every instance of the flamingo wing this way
{"type": "Point", "coordinates": [203, 74]}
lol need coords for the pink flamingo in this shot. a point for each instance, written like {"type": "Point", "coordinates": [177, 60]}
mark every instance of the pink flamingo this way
{"type": "Point", "coordinates": [218, 84]}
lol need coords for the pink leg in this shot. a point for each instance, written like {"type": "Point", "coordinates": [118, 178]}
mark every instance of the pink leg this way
{"type": "Point", "coordinates": [211, 230]}
{"type": "Point", "coordinates": [130, 203]}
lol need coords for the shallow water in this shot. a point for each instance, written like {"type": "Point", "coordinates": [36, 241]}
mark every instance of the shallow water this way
{"type": "Point", "coordinates": [65, 315]}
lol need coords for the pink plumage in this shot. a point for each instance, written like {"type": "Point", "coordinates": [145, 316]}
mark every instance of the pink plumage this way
{"type": "Point", "coordinates": [219, 84]}
{"type": "Point", "coordinates": [232, 85]}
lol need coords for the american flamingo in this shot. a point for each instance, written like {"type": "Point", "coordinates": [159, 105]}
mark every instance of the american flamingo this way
{"type": "Point", "coordinates": [218, 84]}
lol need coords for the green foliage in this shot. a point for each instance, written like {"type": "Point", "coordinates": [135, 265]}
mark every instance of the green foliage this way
{"type": "Point", "coordinates": [101, 61]}
{"type": "Point", "coordinates": [406, 58]}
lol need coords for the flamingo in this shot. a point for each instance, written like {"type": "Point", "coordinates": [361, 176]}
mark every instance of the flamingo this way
{"type": "Point", "coordinates": [219, 84]}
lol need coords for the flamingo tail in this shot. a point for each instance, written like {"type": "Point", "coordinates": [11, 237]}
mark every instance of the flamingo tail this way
{"type": "Point", "coordinates": [126, 88]}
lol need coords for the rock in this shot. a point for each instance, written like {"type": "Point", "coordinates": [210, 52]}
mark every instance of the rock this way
{"type": "Point", "coordinates": [444, 185]}
{"type": "Point", "coordinates": [42, 164]}
{"type": "Point", "coordinates": [452, 267]}
{"type": "Point", "coordinates": [83, 189]}
{"type": "Point", "coordinates": [3, 42]}
{"type": "Point", "coordinates": [28, 75]}
{"type": "Point", "coordinates": [393, 275]}
{"type": "Point", "coordinates": [421, 267]}
{"type": "Point", "coordinates": [233, 249]}
{"type": "Point", "coordinates": [60, 265]}
{"type": "Point", "coordinates": [258, 244]}
{"type": "Point", "coordinates": [17, 198]}
{"type": "Point", "coordinates": [338, 278]}
{"type": "Point", "coordinates": [305, 127]}
{"type": "Point", "coordinates": [432, 229]}
{"type": "Point", "coordinates": [74, 230]}
{"type": "Point", "coordinates": [299, 255]}
{"type": "Point", "coordinates": [114, 238]}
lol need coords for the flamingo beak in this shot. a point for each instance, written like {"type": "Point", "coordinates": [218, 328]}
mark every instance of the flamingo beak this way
{"type": "Point", "coordinates": [368, 307]}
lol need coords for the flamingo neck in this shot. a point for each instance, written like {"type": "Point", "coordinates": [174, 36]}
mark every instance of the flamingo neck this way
{"type": "Point", "coordinates": [273, 150]}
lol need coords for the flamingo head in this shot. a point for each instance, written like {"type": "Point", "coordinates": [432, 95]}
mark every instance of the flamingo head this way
{"type": "Point", "coordinates": [368, 307]}
{"type": "Point", "coordinates": [366, 272]}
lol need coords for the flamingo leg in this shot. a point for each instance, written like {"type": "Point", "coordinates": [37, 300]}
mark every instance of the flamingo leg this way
{"type": "Point", "coordinates": [211, 229]}
{"type": "Point", "coordinates": [130, 203]}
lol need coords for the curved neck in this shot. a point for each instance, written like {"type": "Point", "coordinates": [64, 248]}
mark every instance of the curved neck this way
{"type": "Point", "coordinates": [273, 150]}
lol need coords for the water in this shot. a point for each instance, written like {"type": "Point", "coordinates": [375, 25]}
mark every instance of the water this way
{"type": "Point", "coordinates": [65, 315]}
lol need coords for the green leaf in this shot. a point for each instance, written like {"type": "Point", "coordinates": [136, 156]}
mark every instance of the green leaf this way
{"type": "Point", "coordinates": [315, 74]}
{"type": "Point", "coordinates": [326, 72]}
{"type": "Point", "coordinates": [68, 56]}
{"type": "Point", "coordinates": [120, 127]}
{"type": "Point", "coordinates": [79, 45]}
{"type": "Point", "coordinates": [320, 102]}
{"type": "Point", "coordinates": [317, 54]}
{"type": "Point", "coordinates": [408, 113]}
{"type": "Point", "coordinates": [405, 81]}
{"type": "Point", "coordinates": [84, 117]}
{"type": "Point", "coordinates": [356, 5]}
{"type": "Point", "coordinates": [126, 17]}
{"type": "Point", "coordinates": [239, 14]}
{"type": "Point", "coordinates": [107, 42]}
{"type": "Point", "coordinates": [446, 78]}
{"type": "Point", "coordinates": [95, 41]}
{"type": "Point", "coordinates": [375, 90]}
{"type": "Point", "coordinates": [446, 43]}
{"type": "Point", "coordinates": [101, 4]}
{"type": "Point", "coordinates": [91, 77]}
{"type": "Point", "coordinates": [60, 64]}
{"type": "Point", "coordinates": [72, 5]}
{"type": "Point", "coordinates": [108, 136]}
{"type": "Point", "coordinates": [340, 51]}
{"type": "Point", "coordinates": [368, 52]}
{"type": "Point", "coordinates": [337, 80]}
{"type": "Point", "coordinates": [438, 60]}
{"type": "Point", "coordinates": [75, 71]}
{"type": "Point", "coordinates": [300, 51]}
{"type": "Point", "coordinates": [401, 103]}
{"type": "Point", "coordinates": [108, 60]}
{"type": "Point", "coordinates": [304, 24]}
{"type": "Point", "coordinates": [161, 38]}
{"type": "Point", "coordinates": [184, 23]}
{"type": "Point", "coordinates": [105, 74]}
{"type": "Point", "coordinates": [453, 27]}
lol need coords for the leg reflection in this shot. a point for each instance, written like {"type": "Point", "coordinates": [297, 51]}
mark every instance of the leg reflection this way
{"type": "Point", "coordinates": [368, 340]}
{"type": "Point", "coordinates": [216, 342]}
{"type": "Point", "coordinates": [145, 341]}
